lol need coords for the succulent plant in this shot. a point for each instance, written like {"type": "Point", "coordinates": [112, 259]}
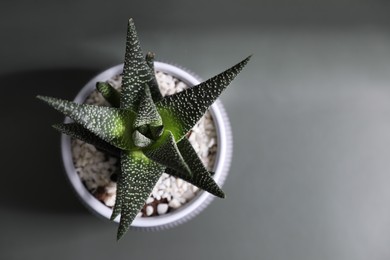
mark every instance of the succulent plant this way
{"type": "Point", "coordinates": [144, 129]}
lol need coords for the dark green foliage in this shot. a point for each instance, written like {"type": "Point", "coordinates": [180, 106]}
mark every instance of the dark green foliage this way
{"type": "Point", "coordinates": [110, 124]}
{"type": "Point", "coordinates": [109, 93]}
{"type": "Point", "coordinates": [156, 94]}
{"type": "Point", "coordinates": [145, 130]}
{"type": "Point", "coordinates": [136, 168]}
{"type": "Point", "coordinates": [188, 106]}
{"type": "Point", "coordinates": [79, 132]}
{"type": "Point", "coordinates": [165, 151]}
{"type": "Point", "coordinates": [200, 176]}
{"type": "Point", "coordinates": [147, 113]}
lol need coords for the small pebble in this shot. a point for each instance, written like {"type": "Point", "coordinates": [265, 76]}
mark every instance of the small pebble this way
{"type": "Point", "coordinates": [149, 210]}
{"type": "Point", "coordinates": [181, 199]}
{"type": "Point", "coordinates": [188, 195]}
{"type": "Point", "coordinates": [174, 204]}
{"type": "Point", "coordinates": [167, 182]}
{"type": "Point", "coordinates": [184, 187]}
{"type": "Point", "coordinates": [110, 200]}
{"type": "Point", "coordinates": [162, 208]}
{"type": "Point", "coordinates": [167, 196]}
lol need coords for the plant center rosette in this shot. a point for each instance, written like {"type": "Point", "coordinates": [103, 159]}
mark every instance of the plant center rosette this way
{"type": "Point", "coordinates": [99, 170]}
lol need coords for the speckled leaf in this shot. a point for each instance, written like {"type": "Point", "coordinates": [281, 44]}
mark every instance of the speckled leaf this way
{"type": "Point", "coordinates": [147, 112]}
{"type": "Point", "coordinates": [181, 111]}
{"type": "Point", "coordinates": [110, 124]}
{"type": "Point", "coordinates": [154, 89]}
{"type": "Point", "coordinates": [136, 72]}
{"type": "Point", "coordinates": [140, 140]}
{"type": "Point", "coordinates": [149, 58]}
{"type": "Point", "coordinates": [77, 131]}
{"type": "Point", "coordinates": [165, 152]}
{"type": "Point", "coordinates": [200, 176]}
{"type": "Point", "coordinates": [139, 176]}
{"type": "Point", "coordinates": [110, 94]}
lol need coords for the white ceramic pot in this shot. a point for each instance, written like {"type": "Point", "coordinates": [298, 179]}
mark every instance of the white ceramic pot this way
{"type": "Point", "coordinates": [188, 210]}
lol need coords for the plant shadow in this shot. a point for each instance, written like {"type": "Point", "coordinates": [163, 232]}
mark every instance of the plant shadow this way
{"type": "Point", "coordinates": [33, 175]}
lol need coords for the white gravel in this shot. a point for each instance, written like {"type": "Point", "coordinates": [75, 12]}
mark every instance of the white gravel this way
{"type": "Point", "coordinates": [162, 208]}
{"type": "Point", "coordinates": [95, 167]}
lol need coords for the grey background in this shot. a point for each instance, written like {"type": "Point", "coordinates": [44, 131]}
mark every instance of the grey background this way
{"type": "Point", "coordinates": [310, 176]}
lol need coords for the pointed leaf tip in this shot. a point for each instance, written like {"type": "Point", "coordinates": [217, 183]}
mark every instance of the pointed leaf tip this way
{"type": "Point", "coordinates": [147, 112]}
{"type": "Point", "coordinates": [43, 98]}
{"type": "Point", "coordinates": [107, 123]}
{"type": "Point", "coordinates": [136, 71]}
{"type": "Point", "coordinates": [200, 176]}
{"type": "Point", "coordinates": [77, 131]}
{"type": "Point", "coordinates": [149, 58]}
{"type": "Point", "coordinates": [136, 168]}
{"type": "Point", "coordinates": [181, 111]}
{"type": "Point", "coordinates": [110, 94]}
{"type": "Point", "coordinates": [154, 89]}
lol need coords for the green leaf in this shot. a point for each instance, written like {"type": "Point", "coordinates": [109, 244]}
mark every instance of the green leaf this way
{"type": "Point", "coordinates": [147, 112]}
{"type": "Point", "coordinates": [77, 131]}
{"type": "Point", "coordinates": [200, 176]}
{"type": "Point", "coordinates": [110, 124]}
{"type": "Point", "coordinates": [181, 111]}
{"type": "Point", "coordinates": [138, 178]}
{"type": "Point", "coordinates": [136, 72]}
{"type": "Point", "coordinates": [165, 152]}
{"type": "Point", "coordinates": [154, 89]}
{"type": "Point", "coordinates": [110, 94]}
{"type": "Point", "coordinates": [149, 58]}
{"type": "Point", "coordinates": [140, 140]}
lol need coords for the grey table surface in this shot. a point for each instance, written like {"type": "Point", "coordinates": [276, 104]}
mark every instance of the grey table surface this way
{"type": "Point", "coordinates": [310, 177]}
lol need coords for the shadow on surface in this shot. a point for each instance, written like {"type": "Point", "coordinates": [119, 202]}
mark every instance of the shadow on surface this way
{"type": "Point", "coordinates": [33, 170]}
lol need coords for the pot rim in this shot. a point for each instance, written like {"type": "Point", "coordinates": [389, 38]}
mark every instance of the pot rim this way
{"type": "Point", "coordinates": [196, 204]}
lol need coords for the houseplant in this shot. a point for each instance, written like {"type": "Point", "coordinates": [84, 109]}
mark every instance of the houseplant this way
{"type": "Point", "coordinates": [211, 141]}
{"type": "Point", "coordinates": [146, 130]}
